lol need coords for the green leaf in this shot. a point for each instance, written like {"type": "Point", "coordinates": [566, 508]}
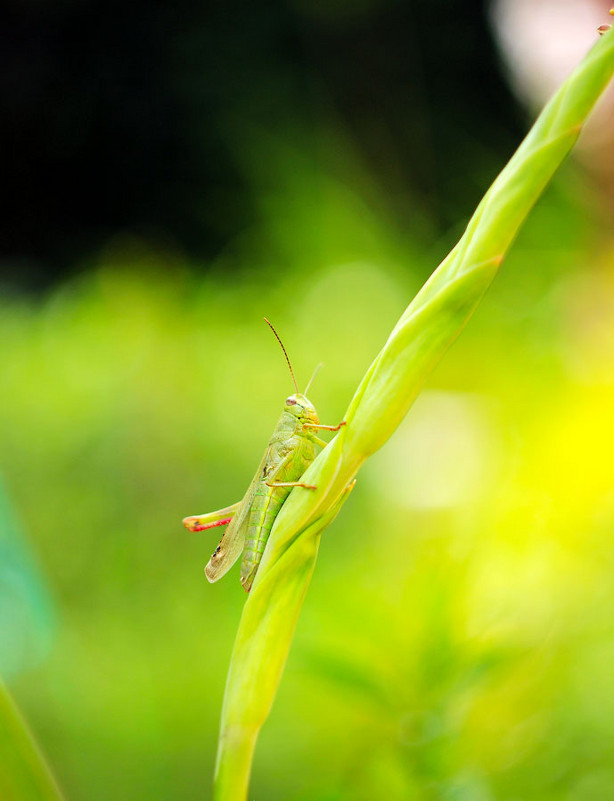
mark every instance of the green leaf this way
{"type": "Point", "coordinates": [24, 775]}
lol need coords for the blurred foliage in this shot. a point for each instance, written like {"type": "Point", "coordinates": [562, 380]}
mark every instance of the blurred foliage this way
{"type": "Point", "coordinates": [457, 640]}
{"type": "Point", "coordinates": [24, 773]}
{"type": "Point", "coordinates": [456, 643]}
{"type": "Point", "coordinates": [26, 613]}
{"type": "Point", "coordinates": [139, 117]}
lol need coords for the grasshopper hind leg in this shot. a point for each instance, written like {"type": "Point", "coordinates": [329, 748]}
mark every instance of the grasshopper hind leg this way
{"type": "Point", "coordinates": [221, 517]}
{"type": "Point", "coordinates": [194, 523]}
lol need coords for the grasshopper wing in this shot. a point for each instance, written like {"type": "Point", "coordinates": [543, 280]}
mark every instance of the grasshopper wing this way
{"type": "Point", "coordinates": [232, 543]}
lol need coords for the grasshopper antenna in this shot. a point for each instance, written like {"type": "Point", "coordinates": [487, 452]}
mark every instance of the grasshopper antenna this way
{"type": "Point", "coordinates": [313, 375]}
{"type": "Point", "coordinates": [285, 353]}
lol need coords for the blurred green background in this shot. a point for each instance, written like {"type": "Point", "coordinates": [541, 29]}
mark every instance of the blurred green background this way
{"type": "Point", "coordinates": [311, 164]}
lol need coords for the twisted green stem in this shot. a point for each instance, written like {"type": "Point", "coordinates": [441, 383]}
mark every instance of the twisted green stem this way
{"type": "Point", "coordinates": [425, 331]}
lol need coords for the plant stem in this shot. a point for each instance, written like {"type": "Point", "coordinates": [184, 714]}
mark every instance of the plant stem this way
{"type": "Point", "coordinates": [420, 338]}
{"type": "Point", "coordinates": [234, 762]}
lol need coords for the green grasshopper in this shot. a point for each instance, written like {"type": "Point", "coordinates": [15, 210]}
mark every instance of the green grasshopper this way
{"type": "Point", "coordinates": [290, 451]}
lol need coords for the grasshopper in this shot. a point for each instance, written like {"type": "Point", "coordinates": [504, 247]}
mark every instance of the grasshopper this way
{"type": "Point", "coordinates": [290, 451]}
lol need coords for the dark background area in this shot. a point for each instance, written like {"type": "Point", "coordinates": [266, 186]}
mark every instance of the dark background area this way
{"type": "Point", "coordinates": [120, 117]}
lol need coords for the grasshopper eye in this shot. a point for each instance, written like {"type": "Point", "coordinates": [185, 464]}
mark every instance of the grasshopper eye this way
{"type": "Point", "coordinates": [290, 401]}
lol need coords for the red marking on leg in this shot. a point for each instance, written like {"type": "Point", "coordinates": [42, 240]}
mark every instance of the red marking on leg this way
{"type": "Point", "coordinates": [212, 525]}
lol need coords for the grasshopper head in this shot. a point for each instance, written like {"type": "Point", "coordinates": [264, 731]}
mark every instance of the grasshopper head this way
{"type": "Point", "coordinates": [302, 407]}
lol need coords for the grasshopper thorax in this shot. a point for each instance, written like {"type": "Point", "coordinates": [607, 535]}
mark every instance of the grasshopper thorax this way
{"type": "Point", "coordinates": [301, 407]}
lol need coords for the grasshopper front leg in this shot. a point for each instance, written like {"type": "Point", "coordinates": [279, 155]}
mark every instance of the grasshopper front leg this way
{"type": "Point", "coordinates": [211, 519]}
{"type": "Point", "coordinates": [280, 469]}
{"type": "Point", "coordinates": [290, 484]}
{"type": "Point", "coordinates": [326, 428]}
{"type": "Point", "coordinates": [320, 442]}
